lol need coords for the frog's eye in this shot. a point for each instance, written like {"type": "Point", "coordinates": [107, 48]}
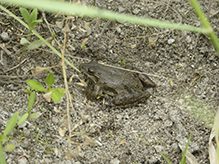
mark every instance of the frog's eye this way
{"type": "Point", "coordinates": [90, 70]}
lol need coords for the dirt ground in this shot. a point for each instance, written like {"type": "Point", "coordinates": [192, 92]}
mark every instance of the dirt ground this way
{"type": "Point", "coordinates": [133, 134]}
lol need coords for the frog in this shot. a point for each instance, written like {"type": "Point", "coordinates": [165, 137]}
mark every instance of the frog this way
{"type": "Point", "coordinates": [125, 87]}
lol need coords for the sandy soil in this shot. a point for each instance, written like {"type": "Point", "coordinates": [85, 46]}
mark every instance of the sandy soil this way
{"type": "Point", "coordinates": [184, 66]}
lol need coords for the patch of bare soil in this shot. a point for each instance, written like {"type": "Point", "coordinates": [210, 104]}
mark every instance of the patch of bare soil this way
{"type": "Point", "coordinates": [121, 135]}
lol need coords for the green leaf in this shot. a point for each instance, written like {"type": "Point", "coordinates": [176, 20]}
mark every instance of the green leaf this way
{"type": "Point", "coordinates": [50, 80]}
{"type": "Point", "coordinates": [34, 115]}
{"type": "Point", "coordinates": [33, 15]}
{"type": "Point", "coordinates": [9, 147]}
{"type": "Point", "coordinates": [51, 89]}
{"type": "Point", "coordinates": [3, 138]}
{"type": "Point", "coordinates": [36, 22]}
{"type": "Point", "coordinates": [25, 14]}
{"type": "Point", "coordinates": [24, 41]}
{"type": "Point", "coordinates": [23, 119]}
{"type": "Point", "coordinates": [83, 46]}
{"type": "Point", "coordinates": [2, 156]}
{"type": "Point", "coordinates": [62, 91]}
{"type": "Point", "coordinates": [35, 44]}
{"type": "Point", "coordinates": [36, 85]}
{"type": "Point", "coordinates": [31, 101]}
{"type": "Point", "coordinates": [57, 94]}
{"type": "Point", "coordinates": [11, 123]}
{"type": "Point", "coordinates": [28, 90]}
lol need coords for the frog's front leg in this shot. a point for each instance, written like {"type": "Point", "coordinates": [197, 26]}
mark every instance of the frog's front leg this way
{"type": "Point", "coordinates": [147, 82]}
{"type": "Point", "coordinates": [124, 98]}
{"type": "Point", "coordinates": [95, 92]}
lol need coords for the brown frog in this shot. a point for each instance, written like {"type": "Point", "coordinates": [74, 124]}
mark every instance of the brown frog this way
{"type": "Point", "coordinates": [126, 87]}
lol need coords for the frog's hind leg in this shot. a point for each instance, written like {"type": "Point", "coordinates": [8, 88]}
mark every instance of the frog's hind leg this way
{"type": "Point", "coordinates": [131, 98]}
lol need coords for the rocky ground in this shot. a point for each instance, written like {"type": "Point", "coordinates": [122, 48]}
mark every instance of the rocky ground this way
{"type": "Point", "coordinates": [184, 66]}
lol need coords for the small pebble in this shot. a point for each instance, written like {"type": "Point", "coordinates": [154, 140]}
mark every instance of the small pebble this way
{"type": "Point", "coordinates": [175, 147]}
{"type": "Point", "coordinates": [22, 161]}
{"type": "Point", "coordinates": [121, 9]}
{"type": "Point", "coordinates": [171, 41]}
{"type": "Point", "coordinates": [159, 148]}
{"type": "Point", "coordinates": [114, 161]}
{"type": "Point", "coordinates": [188, 39]}
{"type": "Point", "coordinates": [118, 29]}
{"type": "Point", "coordinates": [136, 11]}
{"type": "Point", "coordinates": [5, 36]}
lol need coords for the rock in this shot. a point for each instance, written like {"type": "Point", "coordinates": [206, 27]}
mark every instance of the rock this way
{"type": "Point", "coordinates": [121, 9]}
{"type": "Point", "coordinates": [114, 161]}
{"type": "Point", "coordinates": [5, 37]}
{"type": "Point", "coordinates": [136, 11]}
{"type": "Point", "coordinates": [188, 39]}
{"type": "Point", "coordinates": [171, 41]}
{"type": "Point", "coordinates": [118, 29]}
{"type": "Point", "coordinates": [22, 161]}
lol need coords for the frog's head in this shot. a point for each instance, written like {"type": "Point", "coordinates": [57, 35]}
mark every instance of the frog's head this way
{"type": "Point", "coordinates": [89, 69]}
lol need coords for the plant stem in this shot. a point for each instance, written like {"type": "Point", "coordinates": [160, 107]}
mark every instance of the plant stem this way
{"type": "Point", "coordinates": [24, 50]}
{"type": "Point", "coordinates": [206, 24]}
{"type": "Point", "coordinates": [2, 156]}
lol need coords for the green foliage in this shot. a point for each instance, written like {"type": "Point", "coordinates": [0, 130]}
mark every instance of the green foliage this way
{"type": "Point", "coordinates": [9, 147]}
{"type": "Point", "coordinates": [32, 21]}
{"type": "Point", "coordinates": [9, 127]}
{"type": "Point", "coordinates": [183, 159]}
{"type": "Point", "coordinates": [139, 139]}
{"type": "Point", "coordinates": [31, 101]}
{"type": "Point", "coordinates": [83, 46]}
{"type": "Point", "coordinates": [23, 119]}
{"type": "Point", "coordinates": [11, 123]}
{"type": "Point", "coordinates": [122, 62]}
{"type": "Point", "coordinates": [197, 109]}
{"type": "Point", "coordinates": [34, 116]}
{"type": "Point", "coordinates": [35, 44]}
{"type": "Point", "coordinates": [28, 90]}
{"type": "Point", "coordinates": [50, 80]}
{"type": "Point", "coordinates": [56, 93]}
{"type": "Point", "coordinates": [165, 158]}
{"type": "Point", "coordinates": [36, 85]}
{"type": "Point", "coordinates": [2, 156]}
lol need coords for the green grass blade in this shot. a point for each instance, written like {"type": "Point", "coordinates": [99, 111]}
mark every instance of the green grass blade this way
{"type": "Point", "coordinates": [205, 23]}
{"type": "Point", "coordinates": [183, 160]}
{"type": "Point", "coordinates": [86, 11]}
{"type": "Point", "coordinates": [166, 159]}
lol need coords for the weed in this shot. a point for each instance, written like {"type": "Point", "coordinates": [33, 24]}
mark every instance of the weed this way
{"type": "Point", "coordinates": [32, 21]}
{"type": "Point", "coordinates": [52, 93]}
{"type": "Point", "coordinates": [11, 123]}
{"type": "Point", "coordinates": [183, 159]}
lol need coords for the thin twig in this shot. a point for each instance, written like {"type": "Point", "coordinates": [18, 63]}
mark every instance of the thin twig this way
{"type": "Point", "coordinates": [16, 66]}
{"type": "Point", "coordinates": [209, 9]}
{"type": "Point", "coordinates": [65, 81]}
